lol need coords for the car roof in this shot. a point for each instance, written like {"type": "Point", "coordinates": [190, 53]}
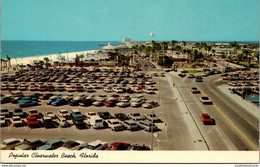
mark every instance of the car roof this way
{"type": "Point", "coordinates": [10, 140]}
{"type": "Point", "coordinates": [94, 143]}
{"type": "Point", "coordinates": [116, 144]}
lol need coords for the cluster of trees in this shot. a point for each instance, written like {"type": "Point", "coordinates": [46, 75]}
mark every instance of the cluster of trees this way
{"type": "Point", "coordinates": [165, 61]}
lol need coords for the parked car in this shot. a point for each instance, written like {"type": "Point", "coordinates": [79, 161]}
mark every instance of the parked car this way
{"type": "Point", "coordinates": [32, 122]}
{"type": "Point", "coordinates": [30, 144]}
{"type": "Point", "coordinates": [115, 125]}
{"type": "Point", "coordinates": [89, 114]}
{"type": "Point", "coordinates": [111, 103]}
{"type": "Point", "coordinates": [10, 144]}
{"type": "Point", "coordinates": [72, 145]}
{"type": "Point", "coordinates": [5, 121]}
{"type": "Point", "coordinates": [123, 103]}
{"type": "Point", "coordinates": [121, 116]}
{"type": "Point", "coordinates": [17, 121]}
{"type": "Point", "coordinates": [96, 122]}
{"type": "Point", "coordinates": [59, 102]}
{"type": "Point", "coordinates": [96, 145]}
{"type": "Point", "coordinates": [47, 122]}
{"type": "Point", "coordinates": [27, 103]}
{"type": "Point", "coordinates": [51, 115]}
{"type": "Point", "coordinates": [130, 125]}
{"type": "Point", "coordinates": [152, 117]}
{"type": "Point", "coordinates": [105, 115]}
{"type": "Point", "coordinates": [205, 100]}
{"type": "Point", "coordinates": [64, 114]}
{"type": "Point", "coordinates": [34, 113]}
{"type": "Point", "coordinates": [118, 146]}
{"type": "Point", "coordinates": [139, 147]}
{"type": "Point", "coordinates": [135, 116]}
{"type": "Point", "coordinates": [5, 112]}
{"type": "Point", "coordinates": [148, 126]}
{"type": "Point", "coordinates": [198, 79]}
{"type": "Point", "coordinates": [63, 122]}
{"type": "Point", "coordinates": [52, 144]}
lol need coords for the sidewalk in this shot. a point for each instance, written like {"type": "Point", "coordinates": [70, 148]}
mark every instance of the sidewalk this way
{"type": "Point", "coordinates": [248, 106]}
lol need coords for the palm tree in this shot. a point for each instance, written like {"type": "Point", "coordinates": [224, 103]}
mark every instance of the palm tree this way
{"type": "Point", "coordinates": [256, 54]}
{"type": "Point", "coordinates": [189, 53]}
{"type": "Point", "coordinates": [46, 59]}
{"type": "Point", "coordinates": [164, 46]}
{"type": "Point", "coordinates": [9, 62]}
{"type": "Point", "coordinates": [246, 54]}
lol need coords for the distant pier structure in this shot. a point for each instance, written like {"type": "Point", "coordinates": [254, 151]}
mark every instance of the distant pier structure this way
{"type": "Point", "coordinates": [126, 40]}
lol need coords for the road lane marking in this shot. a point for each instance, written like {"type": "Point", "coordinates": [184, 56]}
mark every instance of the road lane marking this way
{"type": "Point", "coordinates": [218, 132]}
{"type": "Point", "coordinates": [228, 145]}
{"type": "Point", "coordinates": [234, 126]}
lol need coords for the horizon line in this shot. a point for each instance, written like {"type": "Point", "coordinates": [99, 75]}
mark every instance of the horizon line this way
{"type": "Point", "coordinates": [228, 41]}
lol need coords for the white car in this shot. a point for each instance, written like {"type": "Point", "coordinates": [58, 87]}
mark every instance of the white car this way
{"type": "Point", "coordinates": [149, 91]}
{"type": "Point", "coordinates": [115, 124]}
{"type": "Point", "coordinates": [108, 89]}
{"type": "Point", "coordinates": [123, 103]}
{"type": "Point", "coordinates": [63, 114]}
{"type": "Point", "coordinates": [118, 90]}
{"type": "Point", "coordinates": [17, 121]}
{"type": "Point", "coordinates": [205, 100]}
{"type": "Point", "coordinates": [136, 116]}
{"type": "Point", "coordinates": [63, 122]}
{"type": "Point", "coordinates": [96, 145]}
{"type": "Point", "coordinates": [70, 88]}
{"type": "Point", "coordinates": [136, 102]}
{"type": "Point", "coordinates": [99, 102]}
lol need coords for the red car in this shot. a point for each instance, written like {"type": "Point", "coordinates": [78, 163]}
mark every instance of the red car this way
{"type": "Point", "coordinates": [118, 146]}
{"type": "Point", "coordinates": [32, 122]}
{"type": "Point", "coordinates": [206, 119]}
{"type": "Point", "coordinates": [141, 87]}
{"type": "Point", "coordinates": [51, 88]}
{"type": "Point", "coordinates": [111, 103]}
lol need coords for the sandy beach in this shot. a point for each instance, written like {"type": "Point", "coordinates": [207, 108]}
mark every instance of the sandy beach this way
{"type": "Point", "coordinates": [52, 57]}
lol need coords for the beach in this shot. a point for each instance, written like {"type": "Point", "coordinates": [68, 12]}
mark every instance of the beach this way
{"type": "Point", "coordinates": [52, 57]}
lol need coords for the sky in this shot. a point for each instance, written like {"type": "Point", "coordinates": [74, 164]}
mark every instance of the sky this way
{"type": "Point", "coordinates": [112, 20]}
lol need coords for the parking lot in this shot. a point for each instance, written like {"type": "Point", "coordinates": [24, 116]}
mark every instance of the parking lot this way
{"type": "Point", "coordinates": [89, 134]}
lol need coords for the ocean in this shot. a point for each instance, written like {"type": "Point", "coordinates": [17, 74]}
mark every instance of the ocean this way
{"type": "Point", "coordinates": [20, 49]}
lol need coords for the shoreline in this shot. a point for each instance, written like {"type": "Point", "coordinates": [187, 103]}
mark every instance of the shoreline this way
{"type": "Point", "coordinates": [52, 57]}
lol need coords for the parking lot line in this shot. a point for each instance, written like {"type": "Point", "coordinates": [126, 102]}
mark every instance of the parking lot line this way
{"type": "Point", "coordinates": [128, 132]}
{"type": "Point", "coordinates": [9, 128]}
{"type": "Point", "coordinates": [25, 128]}
{"type": "Point", "coordinates": [75, 129]}
{"type": "Point", "coordinates": [92, 130]}
{"type": "Point", "coordinates": [58, 129]}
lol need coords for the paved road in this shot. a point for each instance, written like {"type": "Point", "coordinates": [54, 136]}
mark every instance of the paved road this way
{"type": "Point", "coordinates": [232, 131]}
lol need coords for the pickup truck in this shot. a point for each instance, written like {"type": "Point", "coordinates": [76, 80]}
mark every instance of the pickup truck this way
{"type": "Point", "coordinates": [32, 122]}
